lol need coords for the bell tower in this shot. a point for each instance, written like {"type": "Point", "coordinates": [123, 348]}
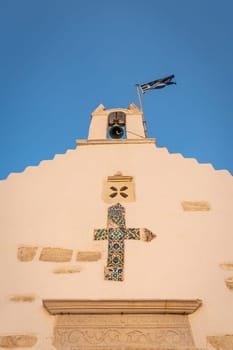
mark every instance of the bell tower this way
{"type": "Point", "coordinates": [117, 124]}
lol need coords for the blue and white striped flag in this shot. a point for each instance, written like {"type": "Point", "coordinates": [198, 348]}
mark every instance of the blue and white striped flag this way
{"type": "Point", "coordinates": [158, 84]}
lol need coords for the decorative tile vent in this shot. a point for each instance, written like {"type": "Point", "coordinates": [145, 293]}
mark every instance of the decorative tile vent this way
{"type": "Point", "coordinates": [119, 188]}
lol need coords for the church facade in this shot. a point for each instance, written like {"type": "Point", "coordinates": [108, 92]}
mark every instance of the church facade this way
{"type": "Point", "coordinates": [117, 245]}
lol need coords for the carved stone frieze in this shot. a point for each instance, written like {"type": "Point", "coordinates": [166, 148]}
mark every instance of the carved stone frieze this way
{"type": "Point", "coordinates": [123, 332]}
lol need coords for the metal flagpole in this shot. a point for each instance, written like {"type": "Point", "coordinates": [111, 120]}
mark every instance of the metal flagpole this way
{"type": "Point", "coordinates": [140, 104]}
{"type": "Point", "coordinates": [139, 96]}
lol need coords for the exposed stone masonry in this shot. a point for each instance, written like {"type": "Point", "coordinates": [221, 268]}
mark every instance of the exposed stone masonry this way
{"type": "Point", "coordinates": [195, 206]}
{"type": "Point", "coordinates": [54, 254]}
{"type": "Point", "coordinates": [227, 266]}
{"type": "Point", "coordinates": [26, 253]}
{"type": "Point", "coordinates": [22, 298]}
{"type": "Point", "coordinates": [17, 341]}
{"type": "Point", "coordinates": [67, 269]}
{"type": "Point", "coordinates": [229, 283]}
{"type": "Point", "coordinates": [224, 342]}
{"type": "Point", "coordinates": [88, 256]}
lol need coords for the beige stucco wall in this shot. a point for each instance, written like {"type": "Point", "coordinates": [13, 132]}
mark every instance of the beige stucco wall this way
{"type": "Point", "coordinates": [59, 204]}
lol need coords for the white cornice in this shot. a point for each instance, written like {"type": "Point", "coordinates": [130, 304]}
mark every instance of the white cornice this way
{"type": "Point", "coordinates": [115, 142]}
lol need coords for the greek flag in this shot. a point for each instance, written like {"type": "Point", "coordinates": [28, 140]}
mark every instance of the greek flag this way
{"type": "Point", "coordinates": [158, 84]}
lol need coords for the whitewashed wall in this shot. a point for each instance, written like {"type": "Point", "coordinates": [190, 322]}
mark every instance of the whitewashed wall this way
{"type": "Point", "coordinates": [59, 203]}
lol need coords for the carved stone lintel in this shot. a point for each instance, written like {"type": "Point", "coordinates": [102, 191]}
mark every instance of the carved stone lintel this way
{"type": "Point", "coordinates": [123, 332]}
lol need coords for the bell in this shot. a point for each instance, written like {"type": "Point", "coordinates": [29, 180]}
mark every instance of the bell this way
{"type": "Point", "coordinates": [116, 132]}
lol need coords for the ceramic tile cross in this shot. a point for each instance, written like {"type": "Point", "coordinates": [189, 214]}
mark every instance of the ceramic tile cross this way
{"type": "Point", "coordinates": [116, 233]}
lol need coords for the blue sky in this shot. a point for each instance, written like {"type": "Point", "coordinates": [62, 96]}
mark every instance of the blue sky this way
{"type": "Point", "coordinates": [61, 58]}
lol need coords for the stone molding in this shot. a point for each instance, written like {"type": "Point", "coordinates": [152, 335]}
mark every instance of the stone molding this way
{"type": "Point", "coordinates": [182, 307]}
{"type": "Point", "coordinates": [114, 142]}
